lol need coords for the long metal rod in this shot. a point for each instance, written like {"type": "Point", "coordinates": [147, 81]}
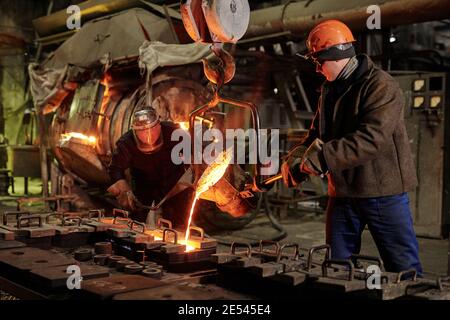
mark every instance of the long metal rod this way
{"type": "Point", "coordinates": [40, 121]}
{"type": "Point", "coordinates": [294, 17]}
{"type": "Point", "coordinates": [92, 9]}
{"type": "Point", "coordinates": [272, 179]}
{"type": "Point", "coordinates": [256, 125]}
{"type": "Point", "coordinates": [299, 17]}
{"type": "Point", "coordinates": [89, 10]}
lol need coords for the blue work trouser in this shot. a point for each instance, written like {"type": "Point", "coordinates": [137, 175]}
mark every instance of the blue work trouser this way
{"type": "Point", "coordinates": [389, 221]}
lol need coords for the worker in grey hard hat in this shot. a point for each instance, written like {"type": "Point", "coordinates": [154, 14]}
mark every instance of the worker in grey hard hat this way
{"type": "Point", "coordinates": [145, 150]}
{"type": "Point", "coordinates": [147, 130]}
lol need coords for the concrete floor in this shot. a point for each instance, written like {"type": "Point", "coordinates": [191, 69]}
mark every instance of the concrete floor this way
{"type": "Point", "coordinates": [309, 230]}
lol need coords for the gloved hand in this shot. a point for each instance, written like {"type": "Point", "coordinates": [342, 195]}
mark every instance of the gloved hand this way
{"type": "Point", "coordinates": [124, 195]}
{"type": "Point", "coordinates": [313, 162]}
{"type": "Point", "coordinates": [290, 169]}
{"type": "Point", "coordinates": [127, 200]}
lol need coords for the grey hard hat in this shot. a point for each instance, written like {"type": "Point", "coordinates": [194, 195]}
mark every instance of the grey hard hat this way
{"type": "Point", "coordinates": [146, 130]}
{"type": "Point", "coordinates": [145, 118]}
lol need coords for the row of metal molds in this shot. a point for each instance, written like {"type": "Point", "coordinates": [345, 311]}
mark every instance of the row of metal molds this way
{"type": "Point", "coordinates": [127, 263]}
{"type": "Point", "coordinates": [288, 271]}
{"type": "Point", "coordinates": [162, 244]}
{"type": "Point", "coordinates": [43, 274]}
{"type": "Point", "coordinates": [47, 229]}
{"type": "Point", "coordinates": [133, 239]}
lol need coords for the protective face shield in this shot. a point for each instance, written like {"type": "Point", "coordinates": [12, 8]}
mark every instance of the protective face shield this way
{"type": "Point", "coordinates": [147, 130]}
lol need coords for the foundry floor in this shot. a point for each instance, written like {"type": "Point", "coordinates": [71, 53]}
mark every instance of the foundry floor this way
{"type": "Point", "coordinates": [309, 230]}
{"type": "Point", "coordinates": [306, 229]}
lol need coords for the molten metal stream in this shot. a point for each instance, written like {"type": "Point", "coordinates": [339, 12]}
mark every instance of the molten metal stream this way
{"type": "Point", "coordinates": [186, 238]}
{"type": "Point", "coordinates": [210, 177]}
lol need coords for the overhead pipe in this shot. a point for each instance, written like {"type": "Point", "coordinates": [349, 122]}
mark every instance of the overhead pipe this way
{"type": "Point", "coordinates": [92, 9]}
{"type": "Point", "coordinates": [300, 17]}
{"type": "Point", "coordinates": [57, 21]}
{"type": "Point", "coordinates": [295, 17]}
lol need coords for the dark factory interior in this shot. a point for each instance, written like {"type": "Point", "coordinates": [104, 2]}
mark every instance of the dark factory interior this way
{"type": "Point", "coordinates": [224, 150]}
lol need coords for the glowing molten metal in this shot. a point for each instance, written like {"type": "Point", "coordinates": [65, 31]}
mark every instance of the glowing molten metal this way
{"type": "Point", "coordinates": [89, 140]}
{"type": "Point", "coordinates": [184, 125]}
{"type": "Point", "coordinates": [210, 177]}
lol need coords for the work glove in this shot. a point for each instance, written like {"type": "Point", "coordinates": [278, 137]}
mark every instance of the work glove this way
{"type": "Point", "coordinates": [290, 169]}
{"type": "Point", "coordinates": [127, 200]}
{"type": "Point", "coordinates": [313, 162]}
{"type": "Point", "coordinates": [124, 195]}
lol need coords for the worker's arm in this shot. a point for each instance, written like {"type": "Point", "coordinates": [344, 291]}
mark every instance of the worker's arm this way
{"type": "Point", "coordinates": [120, 188]}
{"type": "Point", "coordinates": [120, 162]}
{"type": "Point", "coordinates": [379, 114]}
{"type": "Point", "coordinates": [313, 132]}
{"type": "Point", "coordinates": [290, 168]}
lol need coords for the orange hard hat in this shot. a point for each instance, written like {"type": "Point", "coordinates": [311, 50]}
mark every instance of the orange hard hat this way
{"type": "Point", "coordinates": [327, 34]}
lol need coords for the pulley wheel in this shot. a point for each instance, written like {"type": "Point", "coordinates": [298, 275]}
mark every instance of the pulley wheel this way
{"type": "Point", "coordinates": [228, 20]}
{"type": "Point", "coordinates": [194, 20]}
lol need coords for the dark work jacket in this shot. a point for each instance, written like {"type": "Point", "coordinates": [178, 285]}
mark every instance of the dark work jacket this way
{"type": "Point", "coordinates": [366, 145]}
{"type": "Point", "coordinates": [153, 175]}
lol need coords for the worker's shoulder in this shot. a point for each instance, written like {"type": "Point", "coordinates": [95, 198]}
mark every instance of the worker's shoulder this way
{"type": "Point", "coordinates": [383, 78]}
{"type": "Point", "coordinates": [372, 74]}
{"type": "Point", "coordinates": [381, 86]}
{"type": "Point", "coordinates": [126, 139]}
{"type": "Point", "coordinates": [381, 83]}
{"type": "Point", "coordinates": [169, 126]}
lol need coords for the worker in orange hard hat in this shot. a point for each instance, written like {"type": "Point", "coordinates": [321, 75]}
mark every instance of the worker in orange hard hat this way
{"type": "Point", "coordinates": [358, 140]}
{"type": "Point", "coordinates": [330, 40]}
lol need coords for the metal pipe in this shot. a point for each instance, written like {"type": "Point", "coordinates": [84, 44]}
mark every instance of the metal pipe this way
{"type": "Point", "coordinates": [237, 103]}
{"type": "Point", "coordinates": [256, 125]}
{"type": "Point", "coordinates": [43, 141]}
{"type": "Point", "coordinates": [195, 113]}
{"type": "Point", "coordinates": [89, 10]}
{"type": "Point", "coordinates": [294, 17]}
{"type": "Point", "coordinates": [242, 104]}
{"type": "Point", "coordinates": [299, 17]}
{"type": "Point", "coordinates": [92, 9]}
